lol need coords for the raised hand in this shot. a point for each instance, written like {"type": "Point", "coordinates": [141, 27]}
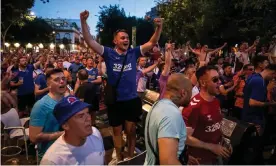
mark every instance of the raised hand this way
{"type": "Point", "coordinates": [84, 15]}
{"type": "Point", "coordinates": [158, 21]}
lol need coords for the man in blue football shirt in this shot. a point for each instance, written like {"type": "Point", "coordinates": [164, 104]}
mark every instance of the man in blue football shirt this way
{"type": "Point", "coordinates": [24, 83]}
{"type": "Point", "coordinates": [128, 106]}
{"type": "Point", "coordinates": [93, 73]}
{"type": "Point", "coordinates": [41, 88]}
{"type": "Point", "coordinates": [255, 97]}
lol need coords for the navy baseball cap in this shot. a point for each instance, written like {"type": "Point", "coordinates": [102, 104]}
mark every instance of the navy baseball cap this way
{"type": "Point", "coordinates": [68, 107]}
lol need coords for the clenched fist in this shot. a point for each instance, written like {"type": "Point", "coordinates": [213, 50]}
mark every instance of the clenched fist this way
{"type": "Point", "coordinates": [84, 15]}
{"type": "Point", "coordinates": [158, 21]}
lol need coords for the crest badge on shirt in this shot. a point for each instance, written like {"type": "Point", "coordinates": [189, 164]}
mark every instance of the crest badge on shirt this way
{"type": "Point", "coordinates": [72, 100]}
{"type": "Point", "coordinates": [209, 118]}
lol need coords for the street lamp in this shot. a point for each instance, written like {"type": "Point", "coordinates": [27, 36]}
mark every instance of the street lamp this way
{"type": "Point", "coordinates": [40, 46]}
{"type": "Point", "coordinates": [53, 32]}
{"type": "Point", "coordinates": [16, 45]}
{"type": "Point", "coordinates": [52, 46]}
{"type": "Point", "coordinates": [7, 44]}
{"type": "Point", "coordinates": [29, 45]}
{"type": "Point", "coordinates": [61, 46]}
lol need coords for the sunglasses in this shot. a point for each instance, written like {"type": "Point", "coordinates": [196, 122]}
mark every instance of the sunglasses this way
{"type": "Point", "coordinates": [250, 69]}
{"type": "Point", "coordinates": [215, 79]}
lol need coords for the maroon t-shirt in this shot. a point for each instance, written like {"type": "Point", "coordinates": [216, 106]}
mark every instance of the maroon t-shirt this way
{"type": "Point", "coordinates": [205, 118]}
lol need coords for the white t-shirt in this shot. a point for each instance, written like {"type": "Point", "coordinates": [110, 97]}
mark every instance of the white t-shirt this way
{"type": "Point", "coordinates": [90, 153]}
{"type": "Point", "coordinates": [243, 57]}
{"type": "Point", "coordinates": [195, 91]}
{"type": "Point", "coordinates": [273, 50]}
{"type": "Point", "coordinates": [142, 82]}
{"type": "Point", "coordinates": [66, 64]}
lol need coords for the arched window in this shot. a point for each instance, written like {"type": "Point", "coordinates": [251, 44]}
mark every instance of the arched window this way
{"type": "Point", "coordinates": [67, 36]}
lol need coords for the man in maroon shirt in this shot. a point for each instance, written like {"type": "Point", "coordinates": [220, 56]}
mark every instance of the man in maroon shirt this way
{"type": "Point", "coordinates": [203, 118]}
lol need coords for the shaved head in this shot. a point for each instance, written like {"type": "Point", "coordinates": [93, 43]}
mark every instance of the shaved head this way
{"type": "Point", "coordinates": [179, 89]}
{"type": "Point", "coordinates": [177, 82]}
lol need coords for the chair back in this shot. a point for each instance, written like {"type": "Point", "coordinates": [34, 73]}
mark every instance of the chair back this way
{"type": "Point", "coordinates": [11, 119]}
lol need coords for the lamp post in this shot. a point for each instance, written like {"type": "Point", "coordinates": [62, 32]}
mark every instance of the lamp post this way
{"type": "Point", "coordinates": [61, 46]}
{"type": "Point", "coordinates": [16, 45]}
{"type": "Point", "coordinates": [29, 45]}
{"type": "Point", "coordinates": [54, 37]}
{"type": "Point", "coordinates": [52, 46]}
{"type": "Point", "coordinates": [7, 46]}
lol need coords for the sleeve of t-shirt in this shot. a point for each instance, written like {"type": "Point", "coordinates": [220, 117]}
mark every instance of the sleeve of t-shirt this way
{"type": "Point", "coordinates": [163, 82]}
{"type": "Point", "coordinates": [47, 162]}
{"type": "Point", "coordinates": [38, 80]}
{"type": "Point", "coordinates": [31, 67]}
{"type": "Point", "coordinates": [70, 68]}
{"type": "Point", "coordinates": [190, 116]}
{"type": "Point", "coordinates": [15, 79]}
{"type": "Point", "coordinates": [38, 116]}
{"type": "Point", "coordinates": [106, 52]}
{"type": "Point", "coordinates": [138, 51]}
{"type": "Point", "coordinates": [255, 85]}
{"type": "Point", "coordinates": [169, 127]}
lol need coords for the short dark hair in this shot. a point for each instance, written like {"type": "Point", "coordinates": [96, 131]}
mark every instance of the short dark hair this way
{"type": "Point", "coordinates": [203, 70]}
{"type": "Point", "coordinates": [83, 74]}
{"type": "Point", "coordinates": [245, 67]}
{"type": "Point", "coordinates": [118, 31]}
{"type": "Point", "coordinates": [225, 65]}
{"type": "Point", "coordinates": [50, 65]}
{"type": "Point", "coordinates": [89, 57]}
{"type": "Point", "coordinates": [187, 68]}
{"type": "Point", "coordinates": [258, 59]}
{"type": "Point", "coordinates": [53, 71]}
{"type": "Point", "coordinates": [271, 67]}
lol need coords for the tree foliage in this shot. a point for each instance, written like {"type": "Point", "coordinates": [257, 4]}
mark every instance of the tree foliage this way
{"type": "Point", "coordinates": [35, 31]}
{"type": "Point", "coordinates": [216, 20]}
{"type": "Point", "coordinates": [13, 12]}
{"type": "Point", "coordinates": [112, 18]}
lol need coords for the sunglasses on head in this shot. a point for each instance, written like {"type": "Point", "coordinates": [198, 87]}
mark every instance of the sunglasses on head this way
{"type": "Point", "coordinates": [215, 79]}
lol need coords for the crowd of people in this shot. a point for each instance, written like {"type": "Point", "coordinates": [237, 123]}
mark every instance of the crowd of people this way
{"type": "Point", "coordinates": [197, 86]}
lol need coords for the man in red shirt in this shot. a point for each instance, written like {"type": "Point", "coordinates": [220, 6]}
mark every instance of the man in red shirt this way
{"type": "Point", "coordinates": [203, 120]}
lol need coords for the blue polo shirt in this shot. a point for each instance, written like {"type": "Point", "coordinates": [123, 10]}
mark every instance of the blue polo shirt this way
{"type": "Point", "coordinates": [255, 88]}
{"type": "Point", "coordinates": [127, 88]}
{"type": "Point", "coordinates": [41, 81]}
{"type": "Point", "coordinates": [28, 82]}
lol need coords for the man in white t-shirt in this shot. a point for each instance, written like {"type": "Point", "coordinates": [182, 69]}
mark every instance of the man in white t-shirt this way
{"type": "Point", "coordinates": [141, 74]}
{"type": "Point", "coordinates": [81, 144]}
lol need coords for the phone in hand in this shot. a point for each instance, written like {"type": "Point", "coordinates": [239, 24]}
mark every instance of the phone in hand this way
{"type": "Point", "coordinates": [70, 88]}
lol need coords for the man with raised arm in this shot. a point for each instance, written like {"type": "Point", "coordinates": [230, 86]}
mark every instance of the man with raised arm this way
{"type": "Point", "coordinates": [204, 55]}
{"type": "Point", "coordinates": [128, 106]}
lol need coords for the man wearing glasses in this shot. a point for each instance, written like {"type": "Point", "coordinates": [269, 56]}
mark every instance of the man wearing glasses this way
{"type": "Point", "coordinates": [203, 118]}
{"type": "Point", "coordinates": [128, 106]}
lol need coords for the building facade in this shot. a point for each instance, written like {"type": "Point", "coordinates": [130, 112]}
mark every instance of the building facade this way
{"type": "Point", "coordinates": [67, 32]}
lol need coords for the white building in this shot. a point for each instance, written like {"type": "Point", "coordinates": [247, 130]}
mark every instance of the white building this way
{"type": "Point", "coordinates": [67, 32]}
